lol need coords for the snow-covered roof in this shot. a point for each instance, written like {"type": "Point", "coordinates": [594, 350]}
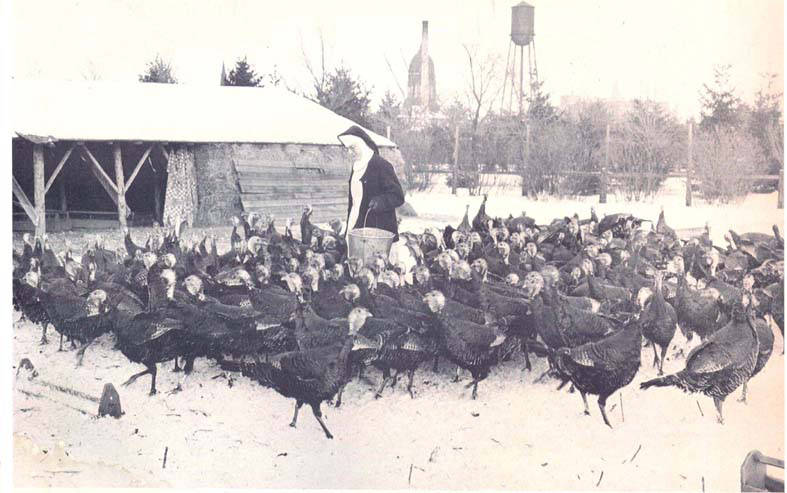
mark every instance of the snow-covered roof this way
{"type": "Point", "coordinates": [100, 110]}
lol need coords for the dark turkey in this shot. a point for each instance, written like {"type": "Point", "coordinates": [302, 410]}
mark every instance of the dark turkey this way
{"type": "Point", "coordinates": [720, 364]}
{"type": "Point", "coordinates": [602, 367]}
{"type": "Point", "coordinates": [658, 321]}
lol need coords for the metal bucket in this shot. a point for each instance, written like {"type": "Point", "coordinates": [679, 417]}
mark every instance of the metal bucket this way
{"type": "Point", "coordinates": [365, 243]}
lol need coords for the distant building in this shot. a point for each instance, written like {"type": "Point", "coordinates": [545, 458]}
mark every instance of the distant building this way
{"type": "Point", "coordinates": [422, 92]}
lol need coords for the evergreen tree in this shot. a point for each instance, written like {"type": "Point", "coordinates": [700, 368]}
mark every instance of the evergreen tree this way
{"type": "Point", "coordinates": [158, 71]}
{"type": "Point", "coordinates": [346, 95]}
{"type": "Point", "coordinates": [539, 106]}
{"type": "Point", "coordinates": [243, 75]}
{"type": "Point", "coordinates": [720, 105]}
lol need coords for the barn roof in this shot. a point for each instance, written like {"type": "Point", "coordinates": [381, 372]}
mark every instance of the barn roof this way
{"type": "Point", "coordinates": [113, 111]}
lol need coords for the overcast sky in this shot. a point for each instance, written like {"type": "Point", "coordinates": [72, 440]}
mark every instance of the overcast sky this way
{"type": "Point", "coordinates": [663, 50]}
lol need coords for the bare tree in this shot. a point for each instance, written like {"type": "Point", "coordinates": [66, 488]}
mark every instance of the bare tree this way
{"type": "Point", "coordinates": [318, 75]}
{"type": "Point", "coordinates": [483, 87]}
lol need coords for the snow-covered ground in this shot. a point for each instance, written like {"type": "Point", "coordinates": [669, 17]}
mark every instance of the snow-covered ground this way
{"type": "Point", "coordinates": [517, 435]}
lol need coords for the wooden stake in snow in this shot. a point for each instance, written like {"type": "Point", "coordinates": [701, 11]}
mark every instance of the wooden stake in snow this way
{"type": "Point", "coordinates": [164, 464]}
{"type": "Point", "coordinates": [600, 478]}
{"type": "Point", "coordinates": [410, 476]}
{"type": "Point", "coordinates": [700, 408]}
{"type": "Point", "coordinates": [635, 454]}
{"type": "Point", "coordinates": [622, 416]}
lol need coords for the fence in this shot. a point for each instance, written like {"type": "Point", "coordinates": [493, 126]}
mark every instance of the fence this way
{"type": "Point", "coordinates": [604, 176]}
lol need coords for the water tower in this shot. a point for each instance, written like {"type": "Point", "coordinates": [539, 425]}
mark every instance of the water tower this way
{"type": "Point", "coordinates": [522, 35]}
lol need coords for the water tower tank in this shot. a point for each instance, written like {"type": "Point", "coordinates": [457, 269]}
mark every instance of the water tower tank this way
{"type": "Point", "coordinates": [522, 23]}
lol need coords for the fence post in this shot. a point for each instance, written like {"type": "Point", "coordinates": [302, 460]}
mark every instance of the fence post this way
{"type": "Point", "coordinates": [602, 199]}
{"type": "Point", "coordinates": [526, 162]}
{"type": "Point", "coordinates": [780, 200]}
{"type": "Point", "coordinates": [388, 132]}
{"type": "Point", "coordinates": [689, 164]}
{"type": "Point", "coordinates": [456, 160]}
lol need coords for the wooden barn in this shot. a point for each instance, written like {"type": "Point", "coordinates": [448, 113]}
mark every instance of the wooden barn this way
{"type": "Point", "coordinates": [95, 154]}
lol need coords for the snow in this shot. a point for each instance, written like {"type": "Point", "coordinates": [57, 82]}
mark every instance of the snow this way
{"type": "Point", "coordinates": [90, 110]}
{"type": "Point", "coordinates": [518, 434]}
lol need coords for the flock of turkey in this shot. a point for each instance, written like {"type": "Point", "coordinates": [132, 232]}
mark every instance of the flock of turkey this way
{"type": "Point", "coordinates": [298, 316]}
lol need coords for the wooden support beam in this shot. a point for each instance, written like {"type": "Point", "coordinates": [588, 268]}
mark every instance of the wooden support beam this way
{"type": "Point", "coordinates": [58, 168]}
{"type": "Point", "coordinates": [121, 187]}
{"type": "Point", "coordinates": [526, 162]}
{"type": "Point", "coordinates": [20, 195]}
{"type": "Point", "coordinates": [139, 166]}
{"type": "Point", "coordinates": [100, 175]}
{"type": "Point", "coordinates": [38, 187]}
{"type": "Point", "coordinates": [164, 151]}
{"type": "Point", "coordinates": [780, 196]}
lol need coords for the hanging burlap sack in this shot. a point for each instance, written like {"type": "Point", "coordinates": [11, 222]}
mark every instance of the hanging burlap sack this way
{"type": "Point", "coordinates": [180, 202]}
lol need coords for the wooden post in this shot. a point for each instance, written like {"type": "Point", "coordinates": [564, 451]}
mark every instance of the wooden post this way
{"type": "Point", "coordinates": [602, 199]}
{"type": "Point", "coordinates": [689, 164]}
{"type": "Point", "coordinates": [388, 132]}
{"type": "Point", "coordinates": [526, 161]}
{"type": "Point", "coordinates": [456, 160]}
{"type": "Point", "coordinates": [39, 190]}
{"type": "Point", "coordinates": [120, 184]}
{"type": "Point", "coordinates": [780, 202]}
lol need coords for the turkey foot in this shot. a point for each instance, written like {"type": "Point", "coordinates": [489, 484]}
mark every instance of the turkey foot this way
{"type": "Point", "coordinates": [562, 384]}
{"type": "Point", "coordinates": [133, 378]}
{"type": "Point", "coordinates": [743, 394]}
{"type": "Point", "coordinates": [339, 397]}
{"type": "Point", "coordinates": [177, 389]}
{"type": "Point", "coordinates": [176, 368]}
{"type": "Point", "coordinates": [44, 340]}
{"type": "Point", "coordinates": [602, 405]}
{"type": "Point", "coordinates": [294, 421]}
{"type": "Point", "coordinates": [379, 392]}
{"type": "Point", "coordinates": [585, 401]}
{"type": "Point", "coordinates": [318, 415]}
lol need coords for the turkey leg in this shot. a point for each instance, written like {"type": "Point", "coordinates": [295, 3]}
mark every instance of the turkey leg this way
{"type": "Point", "coordinates": [719, 402]}
{"type": "Point", "coordinates": [435, 367]}
{"type": "Point", "coordinates": [602, 405]}
{"type": "Point", "coordinates": [743, 394]}
{"type": "Point", "coordinates": [526, 351]}
{"type": "Point", "coordinates": [655, 356]}
{"type": "Point", "coordinates": [382, 385]}
{"type": "Point", "coordinates": [81, 352]}
{"type": "Point", "coordinates": [294, 421]}
{"type": "Point", "coordinates": [134, 377]}
{"type": "Point", "coordinates": [318, 416]}
{"type": "Point", "coordinates": [661, 359]}
{"type": "Point", "coordinates": [176, 368]}
{"type": "Point", "coordinates": [44, 340]}
{"type": "Point", "coordinates": [585, 401]}
{"type": "Point", "coordinates": [410, 376]}
{"type": "Point", "coordinates": [339, 397]}
{"type": "Point", "coordinates": [61, 343]}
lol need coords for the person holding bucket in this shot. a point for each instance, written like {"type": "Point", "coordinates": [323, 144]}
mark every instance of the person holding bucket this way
{"type": "Point", "coordinates": [374, 189]}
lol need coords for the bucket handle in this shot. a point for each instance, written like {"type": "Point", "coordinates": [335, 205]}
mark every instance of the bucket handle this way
{"type": "Point", "coordinates": [366, 217]}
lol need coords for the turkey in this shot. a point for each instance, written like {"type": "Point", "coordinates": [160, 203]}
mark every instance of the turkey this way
{"type": "Point", "coordinates": [309, 376]}
{"type": "Point", "coordinates": [765, 340]}
{"type": "Point", "coordinates": [658, 321]}
{"type": "Point", "coordinates": [603, 367]}
{"type": "Point", "coordinates": [696, 313]}
{"type": "Point", "coordinates": [470, 346]}
{"type": "Point", "coordinates": [721, 363]}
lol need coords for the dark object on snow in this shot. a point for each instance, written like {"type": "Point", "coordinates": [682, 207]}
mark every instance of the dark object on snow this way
{"type": "Point", "coordinates": [110, 402]}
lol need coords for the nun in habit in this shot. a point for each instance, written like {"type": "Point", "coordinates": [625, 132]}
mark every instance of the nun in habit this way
{"type": "Point", "coordinates": [374, 189]}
